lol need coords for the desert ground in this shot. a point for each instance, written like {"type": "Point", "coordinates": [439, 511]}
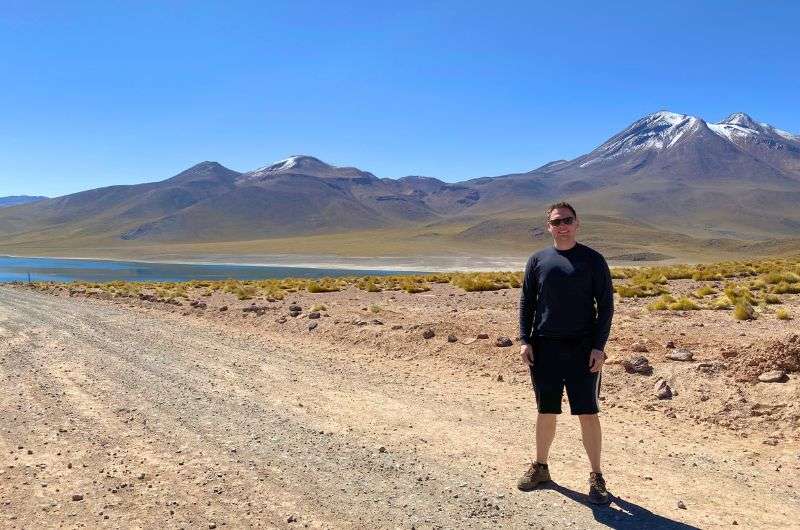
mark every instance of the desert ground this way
{"type": "Point", "coordinates": [357, 409]}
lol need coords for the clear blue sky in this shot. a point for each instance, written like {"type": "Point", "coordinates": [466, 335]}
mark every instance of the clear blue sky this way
{"type": "Point", "coordinates": [101, 93]}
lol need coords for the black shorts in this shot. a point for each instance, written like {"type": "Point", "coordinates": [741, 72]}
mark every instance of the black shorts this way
{"type": "Point", "coordinates": [560, 362]}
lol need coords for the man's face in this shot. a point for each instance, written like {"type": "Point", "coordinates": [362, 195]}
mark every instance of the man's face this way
{"type": "Point", "coordinates": [564, 231]}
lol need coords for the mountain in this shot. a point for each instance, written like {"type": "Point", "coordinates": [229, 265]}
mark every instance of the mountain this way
{"type": "Point", "coordinates": [13, 200]}
{"type": "Point", "coordinates": [666, 173]}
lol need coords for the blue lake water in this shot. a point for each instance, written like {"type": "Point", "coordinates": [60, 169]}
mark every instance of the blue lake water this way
{"type": "Point", "coordinates": [65, 270]}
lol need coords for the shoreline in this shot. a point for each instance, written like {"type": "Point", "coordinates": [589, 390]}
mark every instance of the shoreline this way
{"type": "Point", "coordinates": [420, 264]}
{"type": "Point", "coordinates": [300, 261]}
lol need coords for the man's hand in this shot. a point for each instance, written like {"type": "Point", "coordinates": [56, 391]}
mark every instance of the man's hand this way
{"type": "Point", "coordinates": [596, 360]}
{"type": "Point", "coordinates": [527, 354]}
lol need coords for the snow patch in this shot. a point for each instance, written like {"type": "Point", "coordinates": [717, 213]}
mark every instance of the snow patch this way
{"type": "Point", "coordinates": [657, 131]}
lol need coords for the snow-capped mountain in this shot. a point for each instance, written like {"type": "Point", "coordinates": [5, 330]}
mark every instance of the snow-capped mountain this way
{"type": "Point", "coordinates": [669, 169]}
{"type": "Point", "coordinates": [304, 165]}
{"type": "Point", "coordinates": [664, 130]}
{"type": "Point", "coordinates": [679, 147]}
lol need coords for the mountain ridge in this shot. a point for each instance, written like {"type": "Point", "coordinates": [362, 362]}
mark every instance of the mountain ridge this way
{"type": "Point", "coordinates": [702, 179]}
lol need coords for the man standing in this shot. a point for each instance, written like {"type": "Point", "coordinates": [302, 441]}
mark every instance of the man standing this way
{"type": "Point", "coordinates": [565, 311]}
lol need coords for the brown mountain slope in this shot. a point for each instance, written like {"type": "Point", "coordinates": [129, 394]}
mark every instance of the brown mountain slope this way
{"type": "Point", "coordinates": [671, 175]}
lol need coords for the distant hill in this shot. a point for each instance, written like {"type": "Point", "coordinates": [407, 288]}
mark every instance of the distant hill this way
{"type": "Point", "coordinates": [13, 200]}
{"type": "Point", "coordinates": [667, 181]}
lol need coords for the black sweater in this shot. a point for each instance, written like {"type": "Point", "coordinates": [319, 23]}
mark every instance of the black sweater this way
{"type": "Point", "coordinates": [559, 293]}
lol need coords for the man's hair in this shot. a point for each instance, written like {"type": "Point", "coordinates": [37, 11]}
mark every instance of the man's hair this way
{"type": "Point", "coordinates": [557, 205]}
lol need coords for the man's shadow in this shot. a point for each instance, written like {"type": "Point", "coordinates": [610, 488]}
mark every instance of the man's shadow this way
{"type": "Point", "coordinates": [619, 513]}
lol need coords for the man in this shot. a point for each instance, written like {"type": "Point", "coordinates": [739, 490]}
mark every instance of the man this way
{"type": "Point", "coordinates": [565, 314]}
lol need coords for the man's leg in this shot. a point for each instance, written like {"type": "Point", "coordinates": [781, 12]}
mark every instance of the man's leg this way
{"type": "Point", "coordinates": [545, 433]}
{"type": "Point", "coordinates": [592, 438]}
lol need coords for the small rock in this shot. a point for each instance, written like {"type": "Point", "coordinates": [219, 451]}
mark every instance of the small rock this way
{"type": "Point", "coordinates": [637, 365]}
{"type": "Point", "coordinates": [662, 390]}
{"type": "Point", "coordinates": [669, 345]}
{"type": "Point", "coordinates": [295, 307]}
{"type": "Point", "coordinates": [294, 314]}
{"type": "Point", "coordinates": [281, 320]}
{"type": "Point", "coordinates": [681, 505]}
{"type": "Point", "coordinates": [499, 378]}
{"type": "Point", "coordinates": [680, 355]}
{"type": "Point", "coordinates": [291, 519]}
{"type": "Point", "coordinates": [314, 314]}
{"type": "Point", "coordinates": [773, 376]}
{"type": "Point", "coordinates": [503, 342]}
{"type": "Point", "coordinates": [381, 449]}
{"type": "Point", "coordinates": [639, 346]}
{"type": "Point", "coordinates": [428, 334]}
{"type": "Point", "coordinates": [483, 335]}
{"type": "Point", "coordinates": [77, 497]}
{"type": "Point", "coordinates": [312, 325]}
{"type": "Point", "coordinates": [377, 322]}
{"type": "Point", "coordinates": [223, 308]}
{"type": "Point", "coordinates": [397, 326]}
{"type": "Point", "coordinates": [452, 338]}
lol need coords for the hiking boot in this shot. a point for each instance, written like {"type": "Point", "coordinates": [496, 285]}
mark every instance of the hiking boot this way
{"type": "Point", "coordinates": [598, 494]}
{"type": "Point", "coordinates": [534, 476]}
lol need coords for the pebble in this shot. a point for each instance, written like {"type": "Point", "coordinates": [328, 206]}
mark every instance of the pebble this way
{"type": "Point", "coordinates": [662, 390]}
{"type": "Point", "coordinates": [312, 325]}
{"type": "Point", "coordinates": [680, 355]}
{"type": "Point", "coordinates": [681, 505]}
{"type": "Point", "coordinates": [503, 342]}
{"type": "Point", "coordinates": [77, 497]}
{"type": "Point", "coordinates": [428, 334]}
{"type": "Point", "coordinates": [639, 346]}
{"type": "Point", "coordinates": [483, 335]}
{"type": "Point", "coordinates": [452, 338]}
{"type": "Point", "coordinates": [637, 365]}
{"type": "Point", "coordinates": [773, 376]}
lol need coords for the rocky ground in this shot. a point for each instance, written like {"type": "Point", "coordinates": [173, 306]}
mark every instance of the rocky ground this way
{"type": "Point", "coordinates": [382, 409]}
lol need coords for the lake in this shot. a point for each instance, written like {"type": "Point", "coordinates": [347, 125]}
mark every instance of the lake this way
{"type": "Point", "coordinates": [65, 270]}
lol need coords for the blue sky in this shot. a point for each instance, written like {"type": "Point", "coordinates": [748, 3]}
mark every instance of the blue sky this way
{"type": "Point", "coordinates": [102, 93]}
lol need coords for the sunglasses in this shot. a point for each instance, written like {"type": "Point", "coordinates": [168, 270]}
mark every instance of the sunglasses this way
{"type": "Point", "coordinates": [557, 222]}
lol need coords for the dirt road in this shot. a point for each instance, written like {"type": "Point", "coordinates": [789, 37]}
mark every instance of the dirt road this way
{"type": "Point", "coordinates": [150, 419]}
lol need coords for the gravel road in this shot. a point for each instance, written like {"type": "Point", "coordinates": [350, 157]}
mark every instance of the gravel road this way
{"type": "Point", "coordinates": [125, 417]}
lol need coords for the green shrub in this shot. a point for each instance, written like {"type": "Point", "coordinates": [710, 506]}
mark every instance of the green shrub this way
{"type": "Point", "coordinates": [704, 291]}
{"type": "Point", "coordinates": [743, 311]}
{"type": "Point", "coordinates": [782, 314]}
{"type": "Point", "coordinates": [662, 303]}
{"type": "Point", "coordinates": [683, 303]}
{"type": "Point", "coordinates": [770, 298]}
{"type": "Point", "coordinates": [786, 288]}
{"type": "Point", "coordinates": [723, 302]}
{"type": "Point", "coordinates": [322, 286]}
